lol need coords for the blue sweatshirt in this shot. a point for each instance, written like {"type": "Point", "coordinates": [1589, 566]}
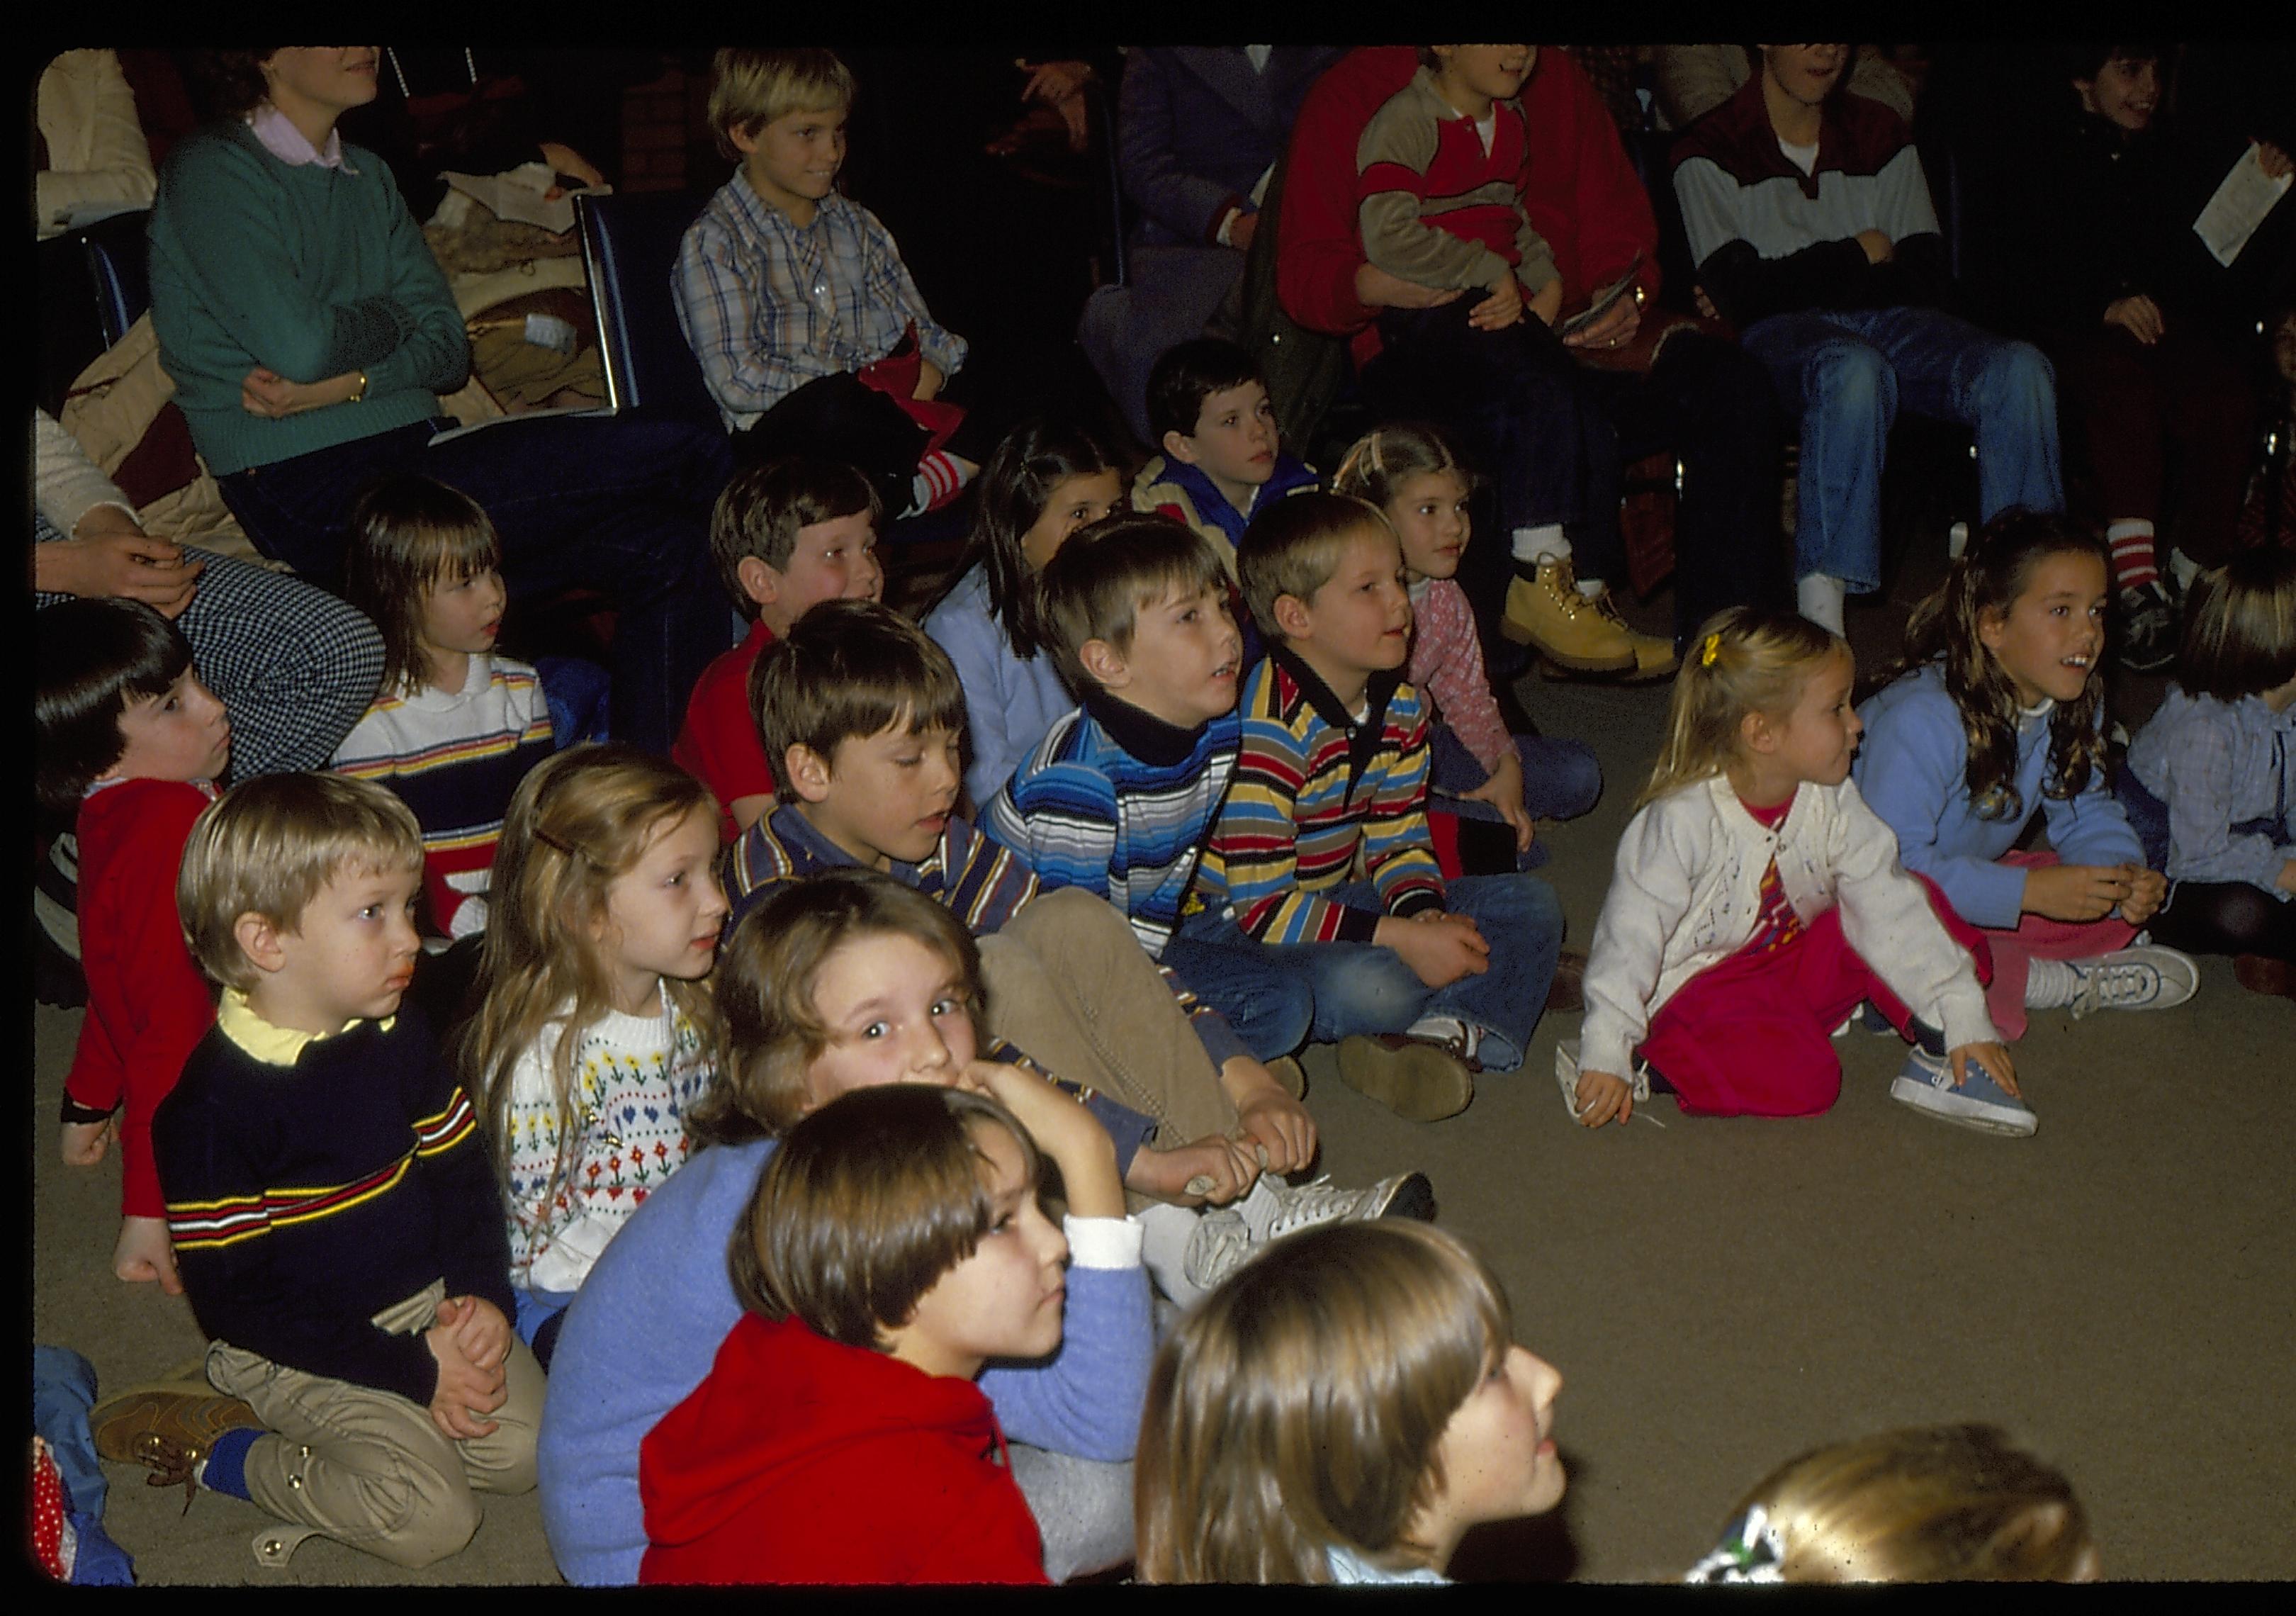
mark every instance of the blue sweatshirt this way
{"type": "Point", "coordinates": [1010, 701]}
{"type": "Point", "coordinates": [1913, 772]}
{"type": "Point", "coordinates": [645, 1328]}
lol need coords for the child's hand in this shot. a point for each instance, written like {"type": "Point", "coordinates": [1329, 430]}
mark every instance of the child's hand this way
{"type": "Point", "coordinates": [1063, 1130]}
{"type": "Point", "coordinates": [1225, 1165]}
{"type": "Point", "coordinates": [1602, 1096]}
{"type": "Point", "coordinates": [1879, 248]}
{"type": "Point", "coordinates": [1502, 309]}
{"type": "Point", "coordinates": [143, 1254]}
{"type": "Point", "coordinates": [84, 1143]}
{"type": "Point", "coordinates": [2148, 889]}
{"type": "Point", "coordinates": [466, 1394]}
{"type": "Point", "coordinates": [929, 380]}
{"type": "Point", "coordinates": [1993, 1057]}
{"type": "Point", "coordinates": [2075, 891]}
{"type": "Point", "coordinates": [1504, 792]}
{"type": "Point", "coordinates": [1546, 302]}
{"type": "Point", "coordinates": [2286, 880]}
{"type": "Point", "coordinates": [2139, 317]}
{"type": "Point", "coordinates": [1439, 948]}
{"type": "Point", "coordinates": [1269, 1117]}
{"type": "Point", "coordinates": [480, 1331]}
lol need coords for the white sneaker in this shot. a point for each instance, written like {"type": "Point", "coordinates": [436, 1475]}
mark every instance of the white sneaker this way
{"type": "Point", "coordinates": [1566, 1073]}
{"type": "Point", "coordinates": [1227, 1238]}
{"type": "Point", "coordinates": [2145, 977]}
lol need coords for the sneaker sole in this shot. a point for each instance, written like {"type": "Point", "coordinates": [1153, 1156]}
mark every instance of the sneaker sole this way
{"type": "Point", "coordinates": [1413, 1198]}
{"type": "Point", "coordinates": [1943, 1106]}
{"type": "Point", "coordinates": [1371, 1069]}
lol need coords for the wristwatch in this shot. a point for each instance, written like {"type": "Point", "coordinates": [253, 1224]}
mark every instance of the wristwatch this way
{"type": "Point", "coordinates": [359, 391]}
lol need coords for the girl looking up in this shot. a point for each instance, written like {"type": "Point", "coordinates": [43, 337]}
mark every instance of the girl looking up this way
{"type": "Point", "coordinates": [597, 1032]}
{"type": "Point", "coordinates": [1343, 1411]}
{"type": "Point", "coordinates": [1042, 484]}
{"type": "Point", "coordinates": [1995, 712]}
{"type": "Point", "coordinates": [893, 1246]}
{"type": "Point", "coordinates": [2210, 784]}
{"type": "Point", "coordinates": [455, 728]}
{"type": "Point", "coordinates": [1479, 770]}
{"type": "Point", "coordinates": [1757, 900]}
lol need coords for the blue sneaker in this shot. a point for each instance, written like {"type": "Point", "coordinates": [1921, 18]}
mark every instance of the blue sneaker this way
{"type": "Point", "coordinates": [1977, 1101]}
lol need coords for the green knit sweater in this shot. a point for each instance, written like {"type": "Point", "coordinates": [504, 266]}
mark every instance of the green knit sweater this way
{"type": "Point", "coordinates": [310, 271]}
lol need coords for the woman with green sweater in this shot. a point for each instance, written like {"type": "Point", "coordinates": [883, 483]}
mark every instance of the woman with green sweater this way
{"type": "Point", "coordinates": [309, 332]}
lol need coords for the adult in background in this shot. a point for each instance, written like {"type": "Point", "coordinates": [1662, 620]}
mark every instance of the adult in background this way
{"type": "Point", "coordinates": [1687, 390]}
{"type": "Point", "coordinates": [310, 331]}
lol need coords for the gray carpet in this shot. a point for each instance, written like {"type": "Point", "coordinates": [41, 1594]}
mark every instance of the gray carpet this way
{"type": "Point", "coordinates": [1718, 1295]}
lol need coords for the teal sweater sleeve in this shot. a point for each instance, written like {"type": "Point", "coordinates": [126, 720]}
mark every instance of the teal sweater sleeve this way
{"type": "Point", "coordinates": [307, 270]}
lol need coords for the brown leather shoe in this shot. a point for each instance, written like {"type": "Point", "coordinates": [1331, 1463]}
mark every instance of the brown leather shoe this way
{"type": "Point", "coordinates": [1419, 1079]}
{"type": "Point", "coordinates": [1567, 992]}
{"type": "Point", "coordinates": [166, 1429]}
{"type": "Point", "coordinates": [2261, 973]}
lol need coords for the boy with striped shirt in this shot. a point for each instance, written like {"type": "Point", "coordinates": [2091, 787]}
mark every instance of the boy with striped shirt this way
{"type": "Point", "coordinates": [1321, 897]}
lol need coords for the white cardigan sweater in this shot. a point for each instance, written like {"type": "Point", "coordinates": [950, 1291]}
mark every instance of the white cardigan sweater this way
{"type": "Point", "coordinates": [1688, 884]}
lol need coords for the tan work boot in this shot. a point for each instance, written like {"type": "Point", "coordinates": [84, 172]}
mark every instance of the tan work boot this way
{"type": "Point", "coordinates": [1567, 628]}
{"type": "Point", "coordinates": [1654, 656]}
{"type": "Point", "coordinates": [1419, 1079]}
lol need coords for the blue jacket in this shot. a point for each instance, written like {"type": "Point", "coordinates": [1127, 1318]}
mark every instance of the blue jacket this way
{"type": "Point", "coordinates": [1009, 702]}
{"type": "Point", "coordinates": [1912, 770]}
{"type": "Point", "coordinates": [1196, 126]}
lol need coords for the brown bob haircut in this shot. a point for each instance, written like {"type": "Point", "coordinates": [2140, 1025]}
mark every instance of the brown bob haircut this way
{"type": "Point", "coordinates": [1098, 583]}
{"type": "Point", "coordinates": [850, 670]}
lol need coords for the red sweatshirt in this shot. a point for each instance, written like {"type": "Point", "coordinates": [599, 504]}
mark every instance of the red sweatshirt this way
{"type": "Point", "coordinates": [1581, 194]}
{"type": "Point", "coordinates": [148, 1006]}
{"type": "Point", "coordinates": [800, 1460]}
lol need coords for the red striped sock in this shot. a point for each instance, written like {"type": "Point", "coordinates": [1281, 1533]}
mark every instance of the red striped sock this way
{"type": "Point", "coordinates": [2133, 563]}
{"type": "Point", "coordinates": [939, 479]}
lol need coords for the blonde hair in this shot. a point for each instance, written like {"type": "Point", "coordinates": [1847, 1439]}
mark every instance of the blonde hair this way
{"type": "Point", "coordinates": [270, 846]}
{"type": "Point", "coordinates": [1741, 661]}
{"type": "Point", "coordinates": [772, 1031]}
{"type": "Point", "coordinates": [1937, 1503]}
{"type": "Point", "coordinates": [749, 88]}
{"type": "Point", "coordinates": [1300, 1407]}
{"type": "Point", "coordinates": [1378, 463]}
{"type": "Point", "coordinates": [579, 821]}
{"type": "Point", "coordinates": [1293, 548]}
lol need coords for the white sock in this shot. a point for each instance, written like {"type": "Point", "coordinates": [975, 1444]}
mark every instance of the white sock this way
{"type": "Point", "coordinates": [2051, 984]}
{"type": "Point", "coordinates": [1819, 597]}
{"type": "Point", "coordinates": [940, 477]}
{"type": "Point", "coordinates": [1592, 587]}
{"type": "Point", "coordinates": [1543, 542]}
{"type": "Point", "coordinates": [1165, 1231]}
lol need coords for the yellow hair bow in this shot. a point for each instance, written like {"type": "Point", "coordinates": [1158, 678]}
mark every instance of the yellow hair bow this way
{"type": "Point", "coordinates": [1712, 649]}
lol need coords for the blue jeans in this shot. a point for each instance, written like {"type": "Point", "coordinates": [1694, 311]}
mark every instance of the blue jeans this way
{"type": "Point", "coordinates": [1842, 373]}
{"type": "Point", "coordinates": [619, 505]}
{"type": "Point", "coordinates": [1328, 991]}
{"type": "Point", "coordinates": [1561, 780]}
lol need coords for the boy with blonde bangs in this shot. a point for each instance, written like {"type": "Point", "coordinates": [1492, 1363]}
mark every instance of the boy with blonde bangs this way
{"type": "Point", "coordinates": [785, 535]}
{"type": "Point", "coordinates": [862, 714]}
{"type": "Point", "coordinates": [1223, 461]}
{"type": "Point", "coordinates": [1422, 986]}
{"type": "Point", "coordinates": [330, 1200]}
{"type": "Point", "coordinates": [810, 332]}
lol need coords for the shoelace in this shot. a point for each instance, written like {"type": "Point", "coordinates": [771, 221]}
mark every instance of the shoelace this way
{"type": "Point", "coordinates": [2110, 987]}
{"type": "Point", "coordinates": [1321, 1202]}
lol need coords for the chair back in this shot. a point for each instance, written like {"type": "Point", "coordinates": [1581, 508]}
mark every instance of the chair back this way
{"type": "Point", "coordinates": [91, 284]}
{"type": "Point", "coordinates": [629, 250]}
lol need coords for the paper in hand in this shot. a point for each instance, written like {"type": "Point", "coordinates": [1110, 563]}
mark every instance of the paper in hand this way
{"type": "Point", "coordinates": [2238, 207]}
{"type": "Point", "coordinates": [1603, 300]}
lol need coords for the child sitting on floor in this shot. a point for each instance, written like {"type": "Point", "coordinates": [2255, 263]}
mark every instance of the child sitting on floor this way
{"type": "Point", "coordinates": [2210, 785]}
{"type": "Point", "coordinates": [598, 1032]}
{"type": "Point", "coordinates": [1042, 484]}
{"type": "Point", "coordinates": [1343, 1412]}
{"type": "Point", "coordinates": [784, 535]}
{"type": "Point", "coordinates": [810, 333]}
{"type": "Point", "coordinates": [1223, 462]}
{"type": "Point", "coordinates": [329, 1196]}
{"type": "Point", "coordinates": [129, 747]}
{"type": "Point", "coordinates": [1757, 901]}
{"type": "Point", "coordinates": [1424, 985]}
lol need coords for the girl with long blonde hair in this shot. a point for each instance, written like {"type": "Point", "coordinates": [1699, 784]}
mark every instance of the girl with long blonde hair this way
{"type": "Point", "coordinates": [598, 1033]}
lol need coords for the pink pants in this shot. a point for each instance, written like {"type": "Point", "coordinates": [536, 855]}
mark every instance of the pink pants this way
{"type": "Point", "coordinates": [1753, 1035]}
{"type": "Point", "coordinates": [2037, 937]}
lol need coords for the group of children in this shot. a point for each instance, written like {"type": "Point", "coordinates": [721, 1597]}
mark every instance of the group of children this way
{"type": "Point", "coordinates": [725, 1092]}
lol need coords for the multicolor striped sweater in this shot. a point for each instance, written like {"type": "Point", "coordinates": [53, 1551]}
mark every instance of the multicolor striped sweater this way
{"type": "Point", "coordinates": [1315, 790]}
{"type": "Point", "coordinates": [1437, 208]}
{"type": "Point", "coordinates": [455, 757]}
{"type": "Point", "coordinates": [1117, 802]}
{"type": "Point", "coordinates": [314, 1183]}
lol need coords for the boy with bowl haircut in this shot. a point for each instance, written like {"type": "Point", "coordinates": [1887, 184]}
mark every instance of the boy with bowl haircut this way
{"type": "Point", "coordinates": [862, 714]}
{"type": "Point", "coordinates": [1423, 986]}
{"type": "Point", "coordinates": [329, 1194]}
{"type": "Point", "coordinates": [1223, 461]}
{"type": "Point", "coordinates": [785, 535]}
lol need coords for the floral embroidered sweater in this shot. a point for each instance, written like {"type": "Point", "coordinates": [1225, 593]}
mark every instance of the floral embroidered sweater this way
{"type": "Point", "coordinates": [633, 1078]}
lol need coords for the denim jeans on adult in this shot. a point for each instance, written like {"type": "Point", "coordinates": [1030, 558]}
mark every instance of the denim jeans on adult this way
{"type": "Point", "coordinates": [1561, 780]}
{"type": "Point", "coordinates": [1843, 373]}
{"type": "Point", "coordinates": [1334, 990]}
{"type": "Point", "coordinates": [619, 505]}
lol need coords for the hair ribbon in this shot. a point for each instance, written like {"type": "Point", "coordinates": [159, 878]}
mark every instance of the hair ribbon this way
{"type": "Point", "coordinates": [1712, 649]}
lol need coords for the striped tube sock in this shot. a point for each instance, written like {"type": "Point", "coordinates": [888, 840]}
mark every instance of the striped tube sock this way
{"type": "Point", "coordinates": [941, 476]}
{"type": "Point", "coordinates": [2133, 566]}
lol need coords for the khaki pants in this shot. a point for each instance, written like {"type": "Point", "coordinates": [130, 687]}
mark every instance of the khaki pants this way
{"type": "Point", "coordinates": [368, 1468]}
{"type": "Point", "coordinates": [1070, 985]}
